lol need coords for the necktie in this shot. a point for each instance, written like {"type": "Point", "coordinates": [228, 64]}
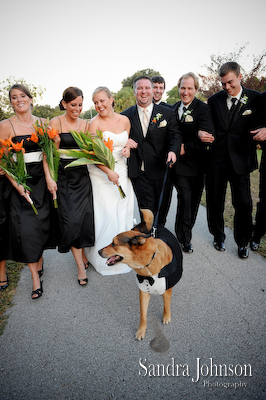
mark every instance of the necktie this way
{"type": "Point", "coordinates": [183, 116]}
{"type": "Point", "coordinates": [233, 106]}
{"type": "Point", "coordinates": [145, 122]}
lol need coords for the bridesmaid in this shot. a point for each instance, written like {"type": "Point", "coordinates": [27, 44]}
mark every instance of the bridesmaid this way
{"type": "Point", "coordinates": [29, 234]}
{"type": "Point", "coordinates": [76, 217]}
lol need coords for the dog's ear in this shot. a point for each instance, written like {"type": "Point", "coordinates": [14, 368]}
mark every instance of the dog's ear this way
{"type": "Point", "coordinates": [138, 240]}
{"type": "Point", "coordinates": [147, 220]}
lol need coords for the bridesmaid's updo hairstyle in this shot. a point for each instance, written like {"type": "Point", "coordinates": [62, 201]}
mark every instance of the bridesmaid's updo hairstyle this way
{"type": "Point", "coordinates": [70, 94]}
{"type": "Point", "coordinates": [103, 89]}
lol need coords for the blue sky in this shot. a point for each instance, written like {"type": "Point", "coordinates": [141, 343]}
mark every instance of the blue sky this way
{"type": "Point", "coordinates": [57, 44]}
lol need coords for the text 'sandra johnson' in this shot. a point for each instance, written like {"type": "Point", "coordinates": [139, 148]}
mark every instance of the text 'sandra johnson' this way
{"type": "Point", "coordinates": [202, 369]}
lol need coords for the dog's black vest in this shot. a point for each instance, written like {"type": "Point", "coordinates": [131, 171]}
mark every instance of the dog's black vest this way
{"type": "Point", "coordinates": [173, 271]}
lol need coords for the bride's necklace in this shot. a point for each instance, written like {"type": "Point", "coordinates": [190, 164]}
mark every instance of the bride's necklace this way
{"type": "Point", "coordinates": [69, 127]}
{"type": "Point", "coordinates": [26, 126]}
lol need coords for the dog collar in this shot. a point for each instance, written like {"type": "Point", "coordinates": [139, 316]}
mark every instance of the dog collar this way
{"type": "Point", "coordinates": [150, 261]}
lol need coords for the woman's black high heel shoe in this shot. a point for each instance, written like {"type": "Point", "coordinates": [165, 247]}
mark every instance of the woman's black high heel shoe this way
{"type": "Point", "coordinates": [40, 272]}
{"type": "Point", "coordinates": [3, 287]}
{"type": "Point", "coordinates": [83, 280]}
{"type": "Point", "coordinates": [39, 292]}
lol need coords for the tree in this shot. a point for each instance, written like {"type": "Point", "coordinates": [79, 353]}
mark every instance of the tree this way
{"type": "Point", "coordinates": [36, 92]}
{"type": "Point", "coordinates": [124, 99]}
{"type": "Point", "coordinates": [128, 82]}
{"type": "Point", "coordinates": [46, 111]}
{"type": "Point", "coordinates": [252, 79]}
{"type": "Point", "coordinates": [89, 114]}
{"type": "Point", "coordinates": [172, 95]}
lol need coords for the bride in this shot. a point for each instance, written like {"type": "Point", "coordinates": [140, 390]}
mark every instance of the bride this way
{"type": "Point", "coordinates": [112, 214]}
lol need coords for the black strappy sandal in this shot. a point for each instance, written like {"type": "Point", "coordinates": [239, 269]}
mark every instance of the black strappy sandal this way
{"type": "Point", "coordinates": [40, 272]}
{"type": "Point", "coordinates": [83, 280]}
{"type": "Point", "coordinates": [39, 292]}
{"type": "Point", "coordinates": [3, 287]}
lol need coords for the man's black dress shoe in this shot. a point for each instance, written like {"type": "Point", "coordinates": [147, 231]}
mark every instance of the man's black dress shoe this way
{"type": "Point", "coordinates": [220, 246]}
{"type": "Point", "coordinates": [243, 252]}
{"type": "Point", "coordinates": [254, 245]}
{"type": "Point", "coordinates": [187, 248]}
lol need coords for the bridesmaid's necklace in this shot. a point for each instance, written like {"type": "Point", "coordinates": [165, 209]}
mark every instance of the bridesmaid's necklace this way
{"type": "Point", "coordinates": [26, 126]}
{"type": "Point", "coordinates": [71, 129]}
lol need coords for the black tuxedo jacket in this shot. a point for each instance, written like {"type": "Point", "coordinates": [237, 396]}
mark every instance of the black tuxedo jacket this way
{"type": "Point", "coordinates": [233, 138]}
{"type": "Point", "coordinates": [162, 103]}
{"type": "Point", "coordinates": [193, 162]}
{"type": "Point", "coordinates": [263, 95]}
{"type": "Point", "coordinates": [162, 136]}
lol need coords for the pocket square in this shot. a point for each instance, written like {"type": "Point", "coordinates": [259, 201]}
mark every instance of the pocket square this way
{"type": "Point", "coordinates": [188, 118]}
{"type": "Point", "coordinates": [163, 124]}
{"type": "Point", "coordinates": [247, 112]}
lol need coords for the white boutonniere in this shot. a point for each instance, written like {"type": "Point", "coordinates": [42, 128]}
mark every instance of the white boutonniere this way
{"type": "Point", "coordinates": [156, 118]}
{"type": "Point", "coordinates": [247, 112]}
{"type": "Point", "coordinates": [187, 116]}
{"type": "Point", "coordinates": [243, 100]}
{"type": "Point", "coordinates": [163, 124]}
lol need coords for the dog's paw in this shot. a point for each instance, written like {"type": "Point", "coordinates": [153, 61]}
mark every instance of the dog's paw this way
{"type": "Point", "coordinates": [140, 334]}
{"type": "Point", "coordinates": [166, 319]}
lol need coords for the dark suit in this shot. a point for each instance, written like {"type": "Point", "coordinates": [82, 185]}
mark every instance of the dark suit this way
{"type": "Point", "coordinates": [162, 103]}
{"type": "Point", "coordinates": [232, 158]}
{"type": "Point", "coordinates": [188, 174]}
{"type": "Point", "coordinates": [162, 136]}
{"type": "Point", "coordinates": [260, 225]}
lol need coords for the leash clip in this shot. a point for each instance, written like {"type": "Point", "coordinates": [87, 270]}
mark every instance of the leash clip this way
{"type": "Point", "coordinates": [154, 231]}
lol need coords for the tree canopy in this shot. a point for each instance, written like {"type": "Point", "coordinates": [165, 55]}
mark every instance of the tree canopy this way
{"type": "Point", "coordinates": [252, 79]}
{"type": "Point", "coordinates": [36, 92]}
{"type": "Point", "coordinates": [128, 82]}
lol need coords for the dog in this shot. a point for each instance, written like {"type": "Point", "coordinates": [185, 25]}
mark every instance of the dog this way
{"type": "Point", "coordinates": [157, 261]}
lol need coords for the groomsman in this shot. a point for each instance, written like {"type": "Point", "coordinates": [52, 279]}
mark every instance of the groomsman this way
{"type": "Point", "coordinates": [154, 134]}
{"type": "Point", "coordinates": [260, 220]}
{"type": "Point", "coordinates": [158, 88]}
{"type": "Point", "coordinates": [236, 111]}
{"type": "Point", "coordinates": [195, 124]}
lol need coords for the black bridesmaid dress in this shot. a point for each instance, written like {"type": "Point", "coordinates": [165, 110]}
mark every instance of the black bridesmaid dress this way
{"type": "Point", "coordinates": [30, 234]}
{"type": "Point", "coordinates": [75, 202]}
{"type": "Point", "coordinates": [5, 190]}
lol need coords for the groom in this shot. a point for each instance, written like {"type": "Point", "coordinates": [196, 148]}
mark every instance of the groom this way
{"type": "Point", "coordinates": [155, 135]}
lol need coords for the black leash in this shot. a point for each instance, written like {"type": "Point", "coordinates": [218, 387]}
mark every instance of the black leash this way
{"type": "Point", "coordinates": [154, 228]}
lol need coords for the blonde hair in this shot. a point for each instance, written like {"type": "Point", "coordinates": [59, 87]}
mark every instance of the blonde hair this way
{"type": "Point", "coordinates": [103, 89]}
{"type": "Point", "coordinates": [189, 75]}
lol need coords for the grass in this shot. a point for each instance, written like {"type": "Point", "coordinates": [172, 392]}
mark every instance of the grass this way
{"type": "Point", "coordinates": [229, 209]}
{"type": "Point", "coordinates": [6, 296]}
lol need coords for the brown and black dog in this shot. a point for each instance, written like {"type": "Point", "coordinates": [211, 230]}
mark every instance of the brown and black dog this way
{"type": "Point", "coordinates": [157, 261]}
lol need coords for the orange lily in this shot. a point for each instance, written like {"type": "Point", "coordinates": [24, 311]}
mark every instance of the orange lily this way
{"type": "Point", "coordinates": [6, 142]}
{"type": "Point", "coordinates": [109, 144]}
{"type": "Point", "coordinates": [34, 138]}
{"type": "Point", "coordinates": [52, 133]}
{"type": "Point", "coordinates": [39, 129]}
{"type": "Point", "coordinates": [18, 146]}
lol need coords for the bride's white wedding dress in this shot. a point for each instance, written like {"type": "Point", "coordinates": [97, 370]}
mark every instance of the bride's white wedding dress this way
{"type": "Point", "coordinates": [112, 214]}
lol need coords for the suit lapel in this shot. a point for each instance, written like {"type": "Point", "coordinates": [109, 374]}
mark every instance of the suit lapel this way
{"type": "Point", "coordinates": [238, 110]}
{"type": "Point", "coordinates": [223, 108]}
{"type": "Point", "coordinates": [136, 121]}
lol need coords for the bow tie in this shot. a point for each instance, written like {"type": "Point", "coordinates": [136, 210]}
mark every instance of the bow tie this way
{"type": "Point", "coordinates": [148, 278]}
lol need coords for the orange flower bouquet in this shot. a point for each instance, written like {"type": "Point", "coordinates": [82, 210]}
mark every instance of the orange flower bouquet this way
{"type": "Point", "coordinates": [12, 162]}
{"type": "Point", "coordinates": [92, 150]}
{"type": "Point", "coordinates": [45, 137]}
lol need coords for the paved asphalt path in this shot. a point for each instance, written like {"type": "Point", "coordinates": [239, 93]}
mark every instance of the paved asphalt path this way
{"type": "Point", "coordinates": [78, 343]}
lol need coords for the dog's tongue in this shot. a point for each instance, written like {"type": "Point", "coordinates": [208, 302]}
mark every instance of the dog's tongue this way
{"type": "Point", "coordinates": [113, 260]}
